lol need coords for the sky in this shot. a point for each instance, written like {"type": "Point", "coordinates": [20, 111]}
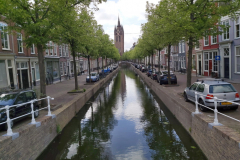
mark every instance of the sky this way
{"type": "Point", "coordinates": [131, 14]}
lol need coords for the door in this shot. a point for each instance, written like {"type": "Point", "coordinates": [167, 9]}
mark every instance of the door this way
{"type": "Point", "coordinates": [226, 67]}
{"type": "Point", "coordinates": [210, 67]}
{"type": "Point", "coordinates": [25, 81]}
{"type": "Point", "coordinates": [199, 68]}
{"type": "Point", "coordinates": [19, 79]}
{"type": "Point", "coordinates": [20, 110]}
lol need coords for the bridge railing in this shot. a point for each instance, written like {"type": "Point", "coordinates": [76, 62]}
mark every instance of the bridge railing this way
{"type": "Point", "coordinates": [33, 121]}
{"type": "Point", "coordinates": [215, 110]}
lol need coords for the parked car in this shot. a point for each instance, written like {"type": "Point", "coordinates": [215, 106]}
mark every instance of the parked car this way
{"type": "Point", "coordinates": [162, 77]}
{"type": "Point", "coordinates": [17, 98]}
{"type": "Point", "coordinates": [94, 77]}
{"type": "Point", "coordinates": [143, 69]}
{"type": "Point", "coordinates": [149, 72]}
{"type": "Point", "coordinates": [208, 90]}
{"type": "Point", "coordinates": [154, 75]}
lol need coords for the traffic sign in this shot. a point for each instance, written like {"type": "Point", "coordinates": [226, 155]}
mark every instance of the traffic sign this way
{"type": "Point", "coordinates": [217, 58]}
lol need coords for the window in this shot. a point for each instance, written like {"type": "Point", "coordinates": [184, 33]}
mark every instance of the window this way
{"type": "Point", "coordinates": [183, 46]}
{"type": "Point", "coordinates": [47, 50]}
{"type": "Point", "coordinates": [214, 39]}
{"type": "Point", "coordinates": [206, 41]}
{"type": "Point", "coordinates": [237, 62]}
{"type": "Point", "coordinates": [20, 43]}
{"type": "Point", "coordinates": [55, 49]}
{"type": "Point", "coordinates": [206, 61]}
{"type": "Point", "coordinates": [237, 26]}
{"type": "Point", "coordinates": [193, 87]}
{"type": "Point", "coordinates": [200, 88]}
{"type": "Point", "coordinates": [197, 45]}
{"type": "Point", "coordinates": [215, 63]}
{"type": "Point", "coordinates": [119, 39]}
{"type": "Point", "coordinates": [221, 88]}
{"type": "Point", "coordinates": [51, 48]}
{"type": "Point", "coordinates": [63, 50]}
{"type": "Point", "coordinates": [193, 62]}
{"type": "Point", "coordinates": [180, 47]}
{"type": "Point", "coordinates": [65, 68]}
{"type": "Point", "coordinates": [226, 52]}
{"type": "Point", "coordinates": [60, 50]}
{"type": "Point", "coordinates": [225, 35]}
{"type": "Point", "coordinates": [67, 51]}
{"type": "Point", "coordinates": [33, 49]}
{"type": "Point", "coordinates": [4, 36]}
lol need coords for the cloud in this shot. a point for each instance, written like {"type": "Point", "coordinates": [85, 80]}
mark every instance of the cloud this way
{"type": "Point", "coordinates": [131, 13]}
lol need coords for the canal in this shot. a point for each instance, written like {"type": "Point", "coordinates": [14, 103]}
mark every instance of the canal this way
{"type": "Point", "coordinates": [124, 120]}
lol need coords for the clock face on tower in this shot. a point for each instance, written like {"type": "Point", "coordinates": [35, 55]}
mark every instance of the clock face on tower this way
{"type": "Point", "coordinates": [118, 32]}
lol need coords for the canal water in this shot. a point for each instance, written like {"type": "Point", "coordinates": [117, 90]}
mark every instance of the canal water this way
{"type": "Point", "coordinates": [124, 120]}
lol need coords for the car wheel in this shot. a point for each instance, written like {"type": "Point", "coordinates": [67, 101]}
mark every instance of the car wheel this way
{"type": "Point", "coordinates": [203, 109]}
{"type": "Point", "coordinates": [234, 108]}
{"type": "Point", "coordinates": [36, 113]}
{"type": "Point", "coordinates": [185, 97]}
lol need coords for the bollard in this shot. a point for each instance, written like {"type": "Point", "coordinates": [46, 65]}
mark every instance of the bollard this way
{"type": "Point", "coordinates": [196, 102]}
{"type": "Point", "coordinates": [33, 118]}
{"type": "Point", "coordinates": [215, 112]}
{"type": "Point", "coordinates": [9, 130]}
{"type": "Point", "coordinates": [49, 111]}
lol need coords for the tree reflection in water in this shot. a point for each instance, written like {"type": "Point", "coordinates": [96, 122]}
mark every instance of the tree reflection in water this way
{"type": "Point", "coordinates": [89, 134]}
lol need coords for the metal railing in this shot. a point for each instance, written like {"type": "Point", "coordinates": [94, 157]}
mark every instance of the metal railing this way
{"type": "Point", "coordinates": [33, 121]}
{"type": "Point", "coordinates": [215, 110]}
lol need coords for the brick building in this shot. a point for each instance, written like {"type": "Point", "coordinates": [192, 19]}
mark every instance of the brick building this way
{"type": "Point", "coordinates": [119, 38]}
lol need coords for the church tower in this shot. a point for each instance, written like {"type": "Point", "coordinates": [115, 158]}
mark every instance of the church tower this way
{"type": "Point", "coordinates": [119, 38]}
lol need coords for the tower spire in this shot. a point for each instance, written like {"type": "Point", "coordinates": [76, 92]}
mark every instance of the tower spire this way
{"type": "Point", "coordinates": [118, 21]}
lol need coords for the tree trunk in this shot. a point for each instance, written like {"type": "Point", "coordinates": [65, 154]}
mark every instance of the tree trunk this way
{"type": "Point", "coordinates": [89, 69]}
{"type": "Point", "coordinates": [169, 56]}
{"type": "Point", "coordinates": [42, 75]}
{"type": "Point", "coordinates": [189, 66]}
{"type": "Point", "coordinates": [159, 61]}
{"type": "Point", "coordinates": [75, 69]}
{"type": "Point", "coordinates": [152, 61]}
{"type": "Point", "coordinates": [97, 65]}
{"type": "Point", "coordinates": [102, 63]}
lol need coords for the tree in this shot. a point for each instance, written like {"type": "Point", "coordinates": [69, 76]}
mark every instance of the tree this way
{"type": "Point", "coordinates": [37, 19]}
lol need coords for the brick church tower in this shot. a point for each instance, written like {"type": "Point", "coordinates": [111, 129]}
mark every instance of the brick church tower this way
{"type": "Point", "coordinates": [119, 37]}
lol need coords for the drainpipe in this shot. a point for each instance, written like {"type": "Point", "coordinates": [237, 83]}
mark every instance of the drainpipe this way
{"type": "Point", "coordinates": [17, 87]}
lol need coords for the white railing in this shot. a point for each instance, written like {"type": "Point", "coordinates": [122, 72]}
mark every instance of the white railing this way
{"type": "Point", "coordinates": [216, 100]}
{"type": "Point", "coordinates": [33, 121]}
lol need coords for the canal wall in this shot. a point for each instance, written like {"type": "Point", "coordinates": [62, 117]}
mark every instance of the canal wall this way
{"type": "Point", "coordinates": [33, 140]}
{"type": "Point", "coordinates": [216, 142]}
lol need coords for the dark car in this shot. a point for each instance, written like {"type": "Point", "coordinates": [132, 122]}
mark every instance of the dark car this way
{"type": "Point", "coordinates": [149, 72]}
{"type": "Point", "coordinates": [15, 98]}
{"type": "Point", "coordinates": [162, 77]}
{"type": "Point", "coordinates": [154, 75]}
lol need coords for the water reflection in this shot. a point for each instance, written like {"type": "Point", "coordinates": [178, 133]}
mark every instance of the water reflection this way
{"type": "Point", "coordinates": [124, 121]}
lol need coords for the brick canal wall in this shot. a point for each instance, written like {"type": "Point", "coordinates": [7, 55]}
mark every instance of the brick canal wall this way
{"type": "Point", "coordinates": [216, 142]}
{"type": "Point", "coordinates": [33, 140]}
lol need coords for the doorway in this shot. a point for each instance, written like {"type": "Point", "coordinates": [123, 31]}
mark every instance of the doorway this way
{"type": "Point", "coordinates": [23, 79]}
{"type": "Point", "coordinates": [226, 67]}
{"type": "Point", "coordinates": [199, 68]}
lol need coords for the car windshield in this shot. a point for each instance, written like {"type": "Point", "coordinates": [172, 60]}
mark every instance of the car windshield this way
{"type": "Point", "coordinates": [221, 88]}
{"type": "Point", "coordinates": [7, 99]}
{"type": "Point", "coordinates": [93, 74]}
